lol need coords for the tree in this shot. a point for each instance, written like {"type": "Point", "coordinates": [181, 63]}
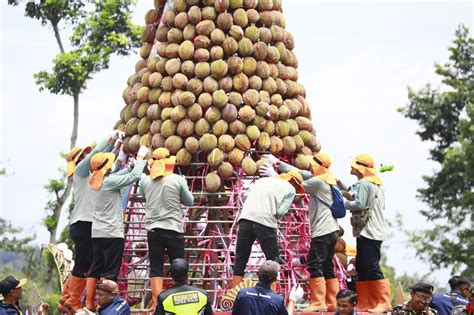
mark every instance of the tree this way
{"type": "Point", "coordinates": [101, 29]}
{"type": "Point", "coordinates": [9, 239]}
{"type": "Point", "coordinates": [445, 116]}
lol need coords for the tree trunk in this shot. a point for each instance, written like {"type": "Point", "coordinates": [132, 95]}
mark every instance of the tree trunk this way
{"type": "Point", "coordinates": [58, 37]}
{"type": "Point", "coordinates": [57, 210]}
{"type": "Point", "coordinates": [75, 124]}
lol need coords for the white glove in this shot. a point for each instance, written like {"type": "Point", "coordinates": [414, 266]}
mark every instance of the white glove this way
{"type": "Point", "coordinates": [117, 134]}
{"type": "Point", "coordinates": [267, 171]}
{"type": "Point", "coordinates": [296, 293]}
{"type": "Point", "coordinates": [142, 152]}
{"type": "Point", "coordinates": [271, 158]}
{"type": "Point", "coordinates": [122, 156]}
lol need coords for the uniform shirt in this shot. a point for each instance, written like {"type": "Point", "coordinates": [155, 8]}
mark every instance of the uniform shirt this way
{"type": "Point", "coordinates": [369, 196]}
{"type": "Point", "coordinates": [268, 200]}
{"type": "Point", "coordinates": [8, 309]}
{"type": "Point", "coordinates": [405, 309]}
{"type": "Point", "coordinates": [259, 300]}
{"type": "Point", "coordinates": [80, 185]}
{"type": "Point", "coordinates": [116, 306]}
{"type": "Point", "coordinates": [107, 220]}
{"type": "Point", "coordinates": [183, 299]}
{"type": "Point", "coordinates": [320, 216]}
{"type": "Point", "coordinates": [164, 197]}
{"type": "Point", "coordinates": [444, 303]}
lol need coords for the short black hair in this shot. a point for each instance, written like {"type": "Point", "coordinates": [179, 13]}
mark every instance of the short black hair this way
{"type": "Point", "coordinates": [457, 282]}
{"type": "Point", "coordinates": [346, 293]}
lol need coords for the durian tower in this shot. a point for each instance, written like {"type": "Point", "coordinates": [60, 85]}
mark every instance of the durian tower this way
{"type": "Point", "coordinates": [217, 86]}
{"type": "Point", "coordinates": [217, 82]}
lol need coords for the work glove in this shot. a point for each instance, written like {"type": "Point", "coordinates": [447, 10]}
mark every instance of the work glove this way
{"type": "Point", "coordinates": [271, 158]}
{"type": "Point", "coordinates": [296, 293]}
{"type": "Point", "coordinates": [267, 171]}
{"type": "Point", "coordinates": [142, 152]}
{"type": "Point", "coordinates": [122, 156]}
{"type": "Point", "coordinates": [117, 134]}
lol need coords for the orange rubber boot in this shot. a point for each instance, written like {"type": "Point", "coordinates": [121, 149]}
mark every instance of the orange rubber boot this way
{"type": "Point", "coordinates": [64, 297]}
{"type": "Point", "coordinates": [317, 287]}
{"type": "Point", "coordinates": [362, 289]}
{"type": "Point", "coordinates": [76, 287]}
{"type": "Point", "coordinates": [332, 288]}
{"type": "Point", "coordinates": [91, 284]}
{"type": "Point", "coordinates": [380, 291]}
{"type": "Point", "coordinates": [156, 284]}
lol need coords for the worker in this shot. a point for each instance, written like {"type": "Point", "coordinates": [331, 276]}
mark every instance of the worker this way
{"type": "Point", "coordinates": [181, 298]}
{"type": "Point", "coordinates": [108, 300]}
{"type": "Point", "coordinates": [80, 221]}
{"type": "Point", "coordinates": [267, 201]}
{"type": "Point", "coordinates": [260, 299]}
{"type": "Point", "coordinates": [107, 219]}
{"type": "Point", "coordinates": [421, 294]}
{"type": "Point", "coordinates": [367, 205]}
{"type": "Point", "coordinates": [444, 303]}
{"type": "Point", "coordinates": [324, 228]}
{"type": "Point", "coordinates": [12, 290]}
{"type": "Point", "coordinates": [164, 193]}
{"type": "Point", "coordinates": [346, 302]}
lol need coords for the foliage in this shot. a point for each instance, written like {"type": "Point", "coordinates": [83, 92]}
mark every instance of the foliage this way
{"type": "Point", "coordinates": [102, 32]}
{"type": "Point", "coordinates": [9, 239]}
{"type": "Point", "coordinates": [445, 116]}
{"type": "Point", "coordinates": [100, 29]}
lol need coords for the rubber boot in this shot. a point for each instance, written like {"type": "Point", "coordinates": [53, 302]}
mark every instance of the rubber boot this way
{"type": "Point", "coordinates": [76, 287]}
{"type": "Point", "coordinates": [64, 297]}
{"type": "Point", "coordinates": [65, 293]}
{"type": "Point", "coordinates": [317, 287]}
{"type": "Point", "coordinates": [380, 291]}
{"type": "Point", "coordinates": [332, 288]}
{"type": "Point", "coordinates": [235, 281]}
{"type": "Point", "coordinates": [362, 290]}
{"type": "Point", "coordinates": [91, 285]}
{"type": "Point", "coordinates": [156, 284]}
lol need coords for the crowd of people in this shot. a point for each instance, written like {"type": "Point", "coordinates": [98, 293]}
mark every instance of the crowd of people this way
{"type": "Point", "coordinates": [97, 230]}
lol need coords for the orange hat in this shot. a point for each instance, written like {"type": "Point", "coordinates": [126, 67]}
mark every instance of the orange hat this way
{"type": "Point", "coordinates": [365, 164]}
{"type": "Point", "coordinates": [320, 163]}
{"type": "Point", "coordinates": [73, 156]}
{"type": "Point", "coordinates": [160, 164]}
{"type": "Point", "coordinates": [351, 250]}
{"type": "Point", "coordinates": [100, 164]}
{"type": "Point", "coordinates": [296, 178]}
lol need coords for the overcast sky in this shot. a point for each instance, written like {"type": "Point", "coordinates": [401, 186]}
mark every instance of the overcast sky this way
{"type": "Point", "coordinates": [356, 60]}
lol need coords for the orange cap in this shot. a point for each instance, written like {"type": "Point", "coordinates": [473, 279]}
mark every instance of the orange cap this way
{"type": "Point", "coordinates": [73, 156]}
{"type": "Point", "coordinates": [162, 167]}
{"type": "Point", "coordinates": [365, 164]}
{"type": "Point", "coordinates": [100, 164]}
{"type": "Point", "coordinates": [294, 177]}
{"type": "Point", "coordinates": [320, 163]}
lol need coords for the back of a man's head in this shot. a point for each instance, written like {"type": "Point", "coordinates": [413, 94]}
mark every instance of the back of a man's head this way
{"type": "Point", "coordinates": [179, 270]}
{"type": "Point", "coordinates": [458, 282]}
{"type": "Point", "coordinates": [268, 272]}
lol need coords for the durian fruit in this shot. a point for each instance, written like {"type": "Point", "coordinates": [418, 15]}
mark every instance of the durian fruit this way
{"type": "Point", "coordinates": [208, 142]}
{"type": "Point", "coordinates": [213, 182]}
{"type": "Point", "coordinates": [219, 77]}
{"type": "Point", "coordinates": [249, 166]}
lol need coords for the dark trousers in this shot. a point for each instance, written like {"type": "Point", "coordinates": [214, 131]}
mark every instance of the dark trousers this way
{"type": "Point", "coordinates": [80, 233]}
{"type": "Point", "coordinates": [320, 256]}
{"type": "Point", "coordinates": [160, 240]}
{"type": "Point", "coordinates": [248, 232]}
{"type": "Point", "coordinates": [368, 259]}
{"type": "Point", "coordinates": [106, 258]}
